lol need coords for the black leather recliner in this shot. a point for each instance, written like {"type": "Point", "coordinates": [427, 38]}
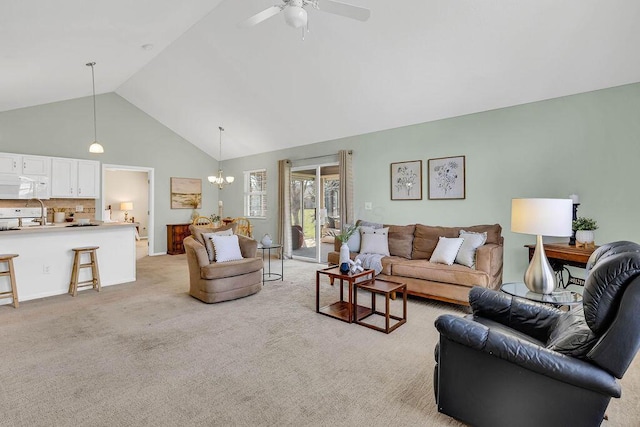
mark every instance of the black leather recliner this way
{"type": "Point", "coordinates": [514, 362]}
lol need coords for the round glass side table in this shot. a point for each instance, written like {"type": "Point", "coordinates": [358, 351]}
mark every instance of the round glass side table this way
{"type": "Point", "coordinates": [557, 298]}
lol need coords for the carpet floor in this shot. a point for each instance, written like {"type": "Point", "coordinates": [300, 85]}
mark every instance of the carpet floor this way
{"type": "Point", "coordinates": [146, 353]}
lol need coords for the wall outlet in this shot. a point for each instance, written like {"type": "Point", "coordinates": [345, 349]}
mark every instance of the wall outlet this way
{"type": "Point", "coordinates": [79, 208]}
{"type": "Point", "coordinates": [367, 206]}
{"type": "Point", "coordinates": [46, 269]}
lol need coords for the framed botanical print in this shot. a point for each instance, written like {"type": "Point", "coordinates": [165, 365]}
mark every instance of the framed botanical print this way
{"type": "Point", "coordinates": [406, 180]}
{"type": "Point", "coordinates": [446, 177]}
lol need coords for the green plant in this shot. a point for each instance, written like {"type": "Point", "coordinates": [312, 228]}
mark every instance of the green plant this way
{"type": "Point", "coordinates": [215, 218]}
{"type": "Point", "coordinates": [583, 223]}
{"type": "Point", "coordinates": [345, 234]}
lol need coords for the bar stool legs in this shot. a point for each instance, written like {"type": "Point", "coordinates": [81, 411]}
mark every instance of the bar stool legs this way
{"type": "Point", "coordinates": [77, 265]}
{"type": "Point", "coordinates": [13, 293]}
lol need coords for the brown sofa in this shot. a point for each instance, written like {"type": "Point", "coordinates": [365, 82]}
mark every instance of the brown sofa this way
{"type": "Point", "coordinates": [221, 281]}
{"type": "Point", "coordinates": [411, 247]}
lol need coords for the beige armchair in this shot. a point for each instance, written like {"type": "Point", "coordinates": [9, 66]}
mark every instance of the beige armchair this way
{"type": "Point", "coordinates": [213, 282]}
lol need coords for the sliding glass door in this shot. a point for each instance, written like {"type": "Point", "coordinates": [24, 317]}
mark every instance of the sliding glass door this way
{"type": "Point", "coordinates": [315, 196]}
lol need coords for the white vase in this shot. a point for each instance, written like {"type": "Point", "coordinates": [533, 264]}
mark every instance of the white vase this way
{"type": "Point", "coordinates": [266, 241]}
{"type": "Point", "coordinates": [585, 236]}
{"type": "Point", "coordinates": [344, 256]}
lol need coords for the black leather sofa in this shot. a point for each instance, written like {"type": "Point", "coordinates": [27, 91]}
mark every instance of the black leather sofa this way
{"type": "Point", "coordinates": [517, 363]}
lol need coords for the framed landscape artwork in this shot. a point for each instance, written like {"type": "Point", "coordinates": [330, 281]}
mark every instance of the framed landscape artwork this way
{"type": "Point", "coordinates": [446, 177]}
{"type": "Point", "coordinates": [406, 180]}
{"type": "Point", "coordinates": [186, 193]}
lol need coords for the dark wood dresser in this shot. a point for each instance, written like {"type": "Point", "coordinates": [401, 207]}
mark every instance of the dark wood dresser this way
{"type": "Point", "coordinates": [176, 233]}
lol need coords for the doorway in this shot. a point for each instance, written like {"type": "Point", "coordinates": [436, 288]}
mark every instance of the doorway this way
{"type": "Point", "coordinates": [132, 185]}
{"type": "Point", "coordinates": [315, 197]}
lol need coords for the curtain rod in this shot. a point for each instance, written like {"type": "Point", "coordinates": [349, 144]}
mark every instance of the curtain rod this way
{"type": "Point", "coordinates": [324, 155]}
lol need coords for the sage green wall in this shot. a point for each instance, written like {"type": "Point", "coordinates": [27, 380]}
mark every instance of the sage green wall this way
{"type": "Point", "coordinates": [588, 144]}
{"type": "Point", "coordinates": [129, 136]}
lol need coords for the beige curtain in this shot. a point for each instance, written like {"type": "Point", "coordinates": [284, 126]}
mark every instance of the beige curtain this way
{"type": "Point", "coordinates": [284, 206]}
{"type": "Point", "coordinates": [346, 186]}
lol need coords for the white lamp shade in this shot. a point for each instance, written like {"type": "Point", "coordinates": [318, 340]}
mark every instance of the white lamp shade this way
{"type": "Point", "coordinates": [230, 179]}
{"type": "Point", "coordinates": [543, 217]}
{"type": "Point", "coordinates": [295, 16]}
{"type": "Point", "coordinates": [126, 206]}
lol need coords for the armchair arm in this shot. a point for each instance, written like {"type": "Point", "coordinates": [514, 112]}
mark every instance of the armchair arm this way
{"type": "Point", "coordinates": [248, 246]}
{"type": "Point", "coordinates": [528, 317]}
{"type": "Point", "coordinates": [527, 355]}
{"type": "Point", "coordinates": [489, 258]}
{"type": "Point", "coordinates": [195, 249]}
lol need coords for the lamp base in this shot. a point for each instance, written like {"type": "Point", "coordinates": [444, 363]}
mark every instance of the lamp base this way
{"type": "Point", "coordinates": [540, 277]}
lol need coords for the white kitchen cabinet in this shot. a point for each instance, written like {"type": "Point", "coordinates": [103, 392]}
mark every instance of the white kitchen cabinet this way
{"type": "Point", "coordinates": [10, 163]}
{"type": "Point", "coordinates": [36, 165]}
{"type": "Point", "coordinates": [72, 178]}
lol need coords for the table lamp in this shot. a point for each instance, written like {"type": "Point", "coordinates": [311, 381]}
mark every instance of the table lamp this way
{"type": "Point", "coordinates": [126, 206]}
{"type": "Point", "coordinates": [541, 217]}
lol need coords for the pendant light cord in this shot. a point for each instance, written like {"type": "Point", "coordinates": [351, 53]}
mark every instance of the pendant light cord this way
{"type": "Point", "coordinates": [93, 85]}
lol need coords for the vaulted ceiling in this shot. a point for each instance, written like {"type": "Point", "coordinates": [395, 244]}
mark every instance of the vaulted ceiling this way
{"type": "Point", "coordinates": [413, 61]}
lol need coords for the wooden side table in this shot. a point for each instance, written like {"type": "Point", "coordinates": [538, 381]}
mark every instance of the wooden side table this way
{"type": "Point", "coordinates": [386, 288]}
{"type": "Point", "coordinates": [343, 310]}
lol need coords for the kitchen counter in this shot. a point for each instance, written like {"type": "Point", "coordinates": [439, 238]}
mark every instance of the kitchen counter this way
{"type": "Point", "coordinates": [63, 226]}
{"type": "Point", "coordinates": [43, 267]}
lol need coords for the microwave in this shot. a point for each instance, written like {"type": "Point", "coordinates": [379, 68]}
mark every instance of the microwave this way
{"type": "Point", "coordinates": [24, 187]}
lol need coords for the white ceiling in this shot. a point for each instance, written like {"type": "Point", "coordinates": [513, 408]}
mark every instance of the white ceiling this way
{"type": "Point", "coordinates": [413, 61]}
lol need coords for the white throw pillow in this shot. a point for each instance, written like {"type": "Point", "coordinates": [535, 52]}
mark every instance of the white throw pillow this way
{"type": "Point", "coordinates": [467, 253]}
{"type": "Point", "coordinates": [209, 244]}
{"type": "Point", "coordinates": [227, 248]}
{"type": "Point", "coordinates": [370, 230]}
{"type": "Point", "coordinates": [446, 250]}
{"type": "Point", "coordinates": [374, 243]}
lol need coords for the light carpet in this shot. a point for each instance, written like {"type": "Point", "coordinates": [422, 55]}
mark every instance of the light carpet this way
{"type": "Point", "coordinates": [147, 353]}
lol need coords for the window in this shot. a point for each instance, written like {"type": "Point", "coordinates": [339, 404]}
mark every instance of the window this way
{"type": "Point", "coordinates": [255, 193]}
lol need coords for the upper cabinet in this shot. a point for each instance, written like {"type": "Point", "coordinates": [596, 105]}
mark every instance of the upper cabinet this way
{"type": "Point", "coordinates": [10, 163]}
{"type": "Point", "coordinates": [16, 164]}
{"type": "Point", "coordinates": [36, 165]}
{"type": "Point", "coordinates": [71, 178]}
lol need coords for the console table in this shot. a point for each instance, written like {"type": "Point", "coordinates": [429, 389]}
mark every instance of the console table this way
{"type": "Point", "coordinates": [563, 254]}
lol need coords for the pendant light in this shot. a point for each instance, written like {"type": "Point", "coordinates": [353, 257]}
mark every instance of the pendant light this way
{"type": "Point", "coordinates": [95, 147]}
{"type": "Point", "coordinates": [220, 180]}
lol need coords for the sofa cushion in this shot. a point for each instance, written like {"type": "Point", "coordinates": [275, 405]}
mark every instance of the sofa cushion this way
{"type": "Point", "coordinates": [467, 253]}
{"type": "Point", "coordinates": [426, 237]}
{"type": "Point", "coordinates": [230, 268]}
{"type": "Point", "coordinates": [446, 250]}
{"type": "Point", "coordinates": [401, 240]}
{"type": "Point", "coordinates": [374, 244]}
{"type": "Point", "coordinates": [227, 248]}
{"type": "Point", "coordinates": [197, 231]}
{"type": "Point", "coordinates": [211, 249]}
{"type": "Point", "coordinates": [456, 274]}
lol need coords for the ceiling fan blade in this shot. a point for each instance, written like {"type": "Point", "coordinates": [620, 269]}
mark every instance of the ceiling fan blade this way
{"type": "Point", "coordinates": [344, 9]}
{"type": "Point", "coordinates": [259, 17]}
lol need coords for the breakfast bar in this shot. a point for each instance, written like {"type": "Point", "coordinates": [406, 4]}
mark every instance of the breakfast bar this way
{"type": "Point", "coordinates": [43, 267]}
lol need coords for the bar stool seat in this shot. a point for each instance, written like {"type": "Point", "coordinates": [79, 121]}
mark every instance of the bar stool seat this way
{"type": "Point", "coordinates": [13, 293]}
{"type": "Point", "coordinates": [77, 265]}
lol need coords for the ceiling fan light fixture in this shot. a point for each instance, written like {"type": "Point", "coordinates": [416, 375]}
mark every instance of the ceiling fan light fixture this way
{"type": "Point", "coordinates": [295, 16]}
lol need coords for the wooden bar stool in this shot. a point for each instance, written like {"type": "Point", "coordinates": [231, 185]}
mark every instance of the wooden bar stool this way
{"type": "Point", "coordinates": [13, 293]}
{"type": "Point", "coordinates": [77, 265]}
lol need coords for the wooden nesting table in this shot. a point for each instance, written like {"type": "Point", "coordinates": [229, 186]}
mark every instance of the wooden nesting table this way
{"type": "Point", "coordinates": [349, 311]}
{"type": "Point", "coordinates": [343, 310]}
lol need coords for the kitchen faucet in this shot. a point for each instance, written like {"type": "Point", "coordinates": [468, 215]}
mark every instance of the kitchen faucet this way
{"type": "Point", "coordinates": [43, 218]}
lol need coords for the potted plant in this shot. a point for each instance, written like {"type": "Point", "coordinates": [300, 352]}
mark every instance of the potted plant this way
{"type": "Point", "coordinates": [344, 236]}
{"type": "Point", "coordinates": [584, 228]}
{"type": "Point", "coordinates": [215, 219]}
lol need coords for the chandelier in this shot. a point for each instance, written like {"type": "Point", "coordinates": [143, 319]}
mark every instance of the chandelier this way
{"type": "Point", "coordinates": [219, 180]}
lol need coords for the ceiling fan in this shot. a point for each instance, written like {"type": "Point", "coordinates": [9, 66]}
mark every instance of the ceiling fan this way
{"type": "Point", "coordinates": [295, 13]}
